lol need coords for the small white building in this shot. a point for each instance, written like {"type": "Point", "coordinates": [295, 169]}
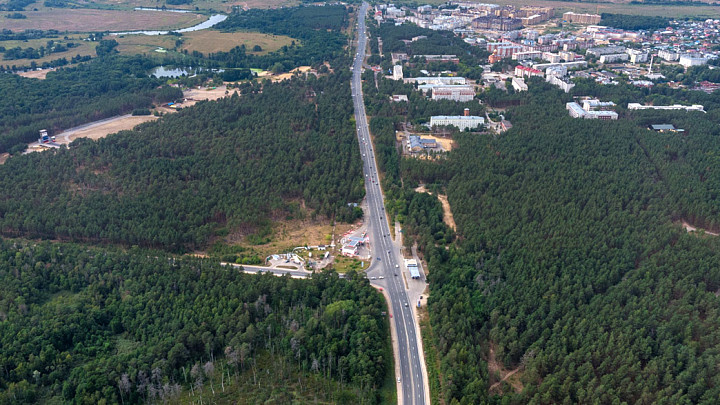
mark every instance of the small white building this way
{"type": "Point", "coordinates": [463, 122]}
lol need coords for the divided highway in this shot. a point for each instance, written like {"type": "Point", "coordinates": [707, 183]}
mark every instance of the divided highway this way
{"type": "Point", "coordinates": [387, 262]}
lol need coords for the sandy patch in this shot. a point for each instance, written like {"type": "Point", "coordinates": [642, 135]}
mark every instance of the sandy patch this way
{"type": "Point", "coordinates": [448, 218]}
{"type": "Point", "coordinates": [36, 74]}
{"type": "Point", "coordinates": [4, 157]}
{"type": "Point", "coordinates": [495, 369]}
{"type": "Point", "coordinates": [103, 130]}
{"type": "Point", "coordinates": [691, 228]}
{"type": "Point", "coordinates": [283, 76]}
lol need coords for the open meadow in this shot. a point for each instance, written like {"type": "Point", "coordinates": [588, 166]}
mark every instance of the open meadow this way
{"type": "Point", "coordinates": [87, 20]}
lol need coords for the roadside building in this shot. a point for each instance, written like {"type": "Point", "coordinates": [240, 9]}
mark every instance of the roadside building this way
{"type": "Point", "coordinates": [413, 268]}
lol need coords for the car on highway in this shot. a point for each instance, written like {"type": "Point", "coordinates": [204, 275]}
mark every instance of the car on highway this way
{"type": "Point", "coordinates": [406, 304]}
{"type": "Point", "coordinates": [397, 266]}
{"type": "Point", "coordinates": [378, 259]}
{"type": "Point", "coordinates": [398, 380]}
{"type": "Point", "coordinates": [373, 278]}
{"type": "Point", "coordinates": [381, 277]}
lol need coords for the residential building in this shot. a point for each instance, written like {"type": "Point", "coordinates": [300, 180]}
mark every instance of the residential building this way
{"type": "Point", "coordinates": [592, 109]}
{"type": "Point", "coordinates": [463, 122]}
{"type": "Point", "coordinates": [637, 56]}
{"type": "Point", "coordinates": [497, 23]}
{"type": "Point", "coordinates": [436, 80]}
{"type": "Point", "coordinates": [551, 57]}
{"type": "Point", "coordinates": [668, 55]}
{"type": "Point", "coordinates": [605, 50]}
{"type": "Point", "coordinates": [519, 84]}
{"type": "Point", "coordinates": [692, 60]}
{"type": "Point", "coordinates": [614, 57]}
{"type": "Point", "coordinates": [581, 18]}
{"type": "Point", "coordinates": [557, 81]}
{"type": "Point", "coordinates": [522, 71]}
{"type": "Point", "coordinates": [528, 55]}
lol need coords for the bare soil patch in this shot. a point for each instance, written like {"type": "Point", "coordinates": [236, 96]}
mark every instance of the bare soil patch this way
{"type": "Point", "coordinates": [686, 225]}
{"type": "Point", "coordinates": [103, 130]}
{"type": "Point", "coordinates": [283, 76]}
{"type": "Point", "coordinates": [4, 157]}
{"type": "Point", "coordinates": [87, 20]}
{"type": "Point", "coordinates": [495, 369]}
{"type": "Point", "coordinates": [448, 218]}
{"type": "Point", "coordinates": [36, 74]}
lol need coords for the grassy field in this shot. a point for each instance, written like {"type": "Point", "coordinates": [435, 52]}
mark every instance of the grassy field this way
{"type": "Point", "coordinates": [84, 48]}
{"type": "Point", "coordinates": [204, 41]}
{"type": "Point", "coordinates": [616, 8]}
{"type": "Point", "coordinates": [86, 20]}
{"type": "Point", "coordinates": [209, 5]}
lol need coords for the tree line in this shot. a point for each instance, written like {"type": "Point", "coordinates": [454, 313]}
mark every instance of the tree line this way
{"type": "Point", "coordinates": [86, 325]}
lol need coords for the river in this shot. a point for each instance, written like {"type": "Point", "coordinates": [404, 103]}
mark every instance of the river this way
{"type": "Point", "coordinates": [213, 20]}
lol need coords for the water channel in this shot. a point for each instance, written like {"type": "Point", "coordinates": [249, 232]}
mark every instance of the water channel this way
{"type": "Point", "coordinates": [213, 20]}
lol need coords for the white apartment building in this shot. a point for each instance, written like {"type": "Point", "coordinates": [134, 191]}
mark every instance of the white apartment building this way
{"type": "Point", "coordinates": [668, 55]}
{"type": "Point", "coordinates": [692, 60]}
{"type": "Point", "coordinates": [460, 93]}
{"type": "Point", "coordinates": [638, 106]}
{"type": "Point", "coordinates": [519, 84]}
{"type": "Point", "coordinates": [614, 57]}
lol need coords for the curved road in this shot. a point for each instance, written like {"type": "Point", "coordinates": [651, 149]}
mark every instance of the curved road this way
{"type": "Point", "coordinates": [387, 260]}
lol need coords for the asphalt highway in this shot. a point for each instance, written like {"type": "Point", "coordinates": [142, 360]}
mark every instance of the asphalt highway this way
{"type": "Point", "coordinates": [387, 260]}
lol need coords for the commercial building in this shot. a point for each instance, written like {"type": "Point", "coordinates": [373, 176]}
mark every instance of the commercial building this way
{"type": "Point", "coordinates": [456, 93]}
{"type": "Point", "coordinates": [463, 122]}
{"type": "Point", "coordinates": [582, 18]}
{"type": "Point", "coordinates": [638, 106]}
{"type": "Point", "coordinates": [413, 268]}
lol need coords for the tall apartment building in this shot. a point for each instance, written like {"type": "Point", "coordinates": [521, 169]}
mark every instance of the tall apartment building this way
{"type": "Point", "coordinates": [497, 23]}
{"type": "Point", "coordinates": [461, 121]}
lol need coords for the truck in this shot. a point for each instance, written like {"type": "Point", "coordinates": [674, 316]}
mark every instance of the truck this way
{"type": "Point", "coordinates": [418, 304]}
{"type": "Point", "coordinates": [44, 137]}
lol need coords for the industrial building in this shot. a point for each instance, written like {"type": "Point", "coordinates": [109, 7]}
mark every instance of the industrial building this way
{"type": "Point", "coordinates": [456, 93]}
{"type": "Point", "coordinates": [463, 122]}
{"type": "Point", "coordinates": [582, 18]}
{"type": "Point", "coordinates": [694, 107]}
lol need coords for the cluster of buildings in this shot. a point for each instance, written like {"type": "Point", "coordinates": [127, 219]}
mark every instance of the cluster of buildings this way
{"type": "Point", "coordinates": [592, 109]}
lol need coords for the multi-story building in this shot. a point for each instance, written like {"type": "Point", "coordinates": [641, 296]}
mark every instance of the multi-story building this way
{"type": "Point", "coordinates": [692, 60]}
{"type": "Point", "coordinates": [638, 106]}
{"type": "Point", "coordinates": [456, 93]}
{"type": "Point", "coordinates": [463, 122]}
{"type": "Point", "coordinates": [522, 71]}
{"type": "Point", "coordinates": [605, 50]}
{"type": "Point", "coordinates": [587, 112]}
{"type": "Point", "coordinates": [668, 55]}
{"type": "Point", "coordinates": [551, 57]}
{"type": "Point", "coordinates": [497, 23]}
{"type": "Point", "coordinates": [582, 18]}
{"type": "Point", "coordinates": [568, 56]}
{"type": "Point", "coordinates": [528, 55]}
{"type": "Point", "coordinates": [436, 80]}
{"type": "Point", "coordinates": [614, 57]}
{"type": "Point", "coordinates": [637, 56]}
{"type": "Point", "coordinates": [519, 84]}
{"type": "Point", "coordinates": [557, 81]}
